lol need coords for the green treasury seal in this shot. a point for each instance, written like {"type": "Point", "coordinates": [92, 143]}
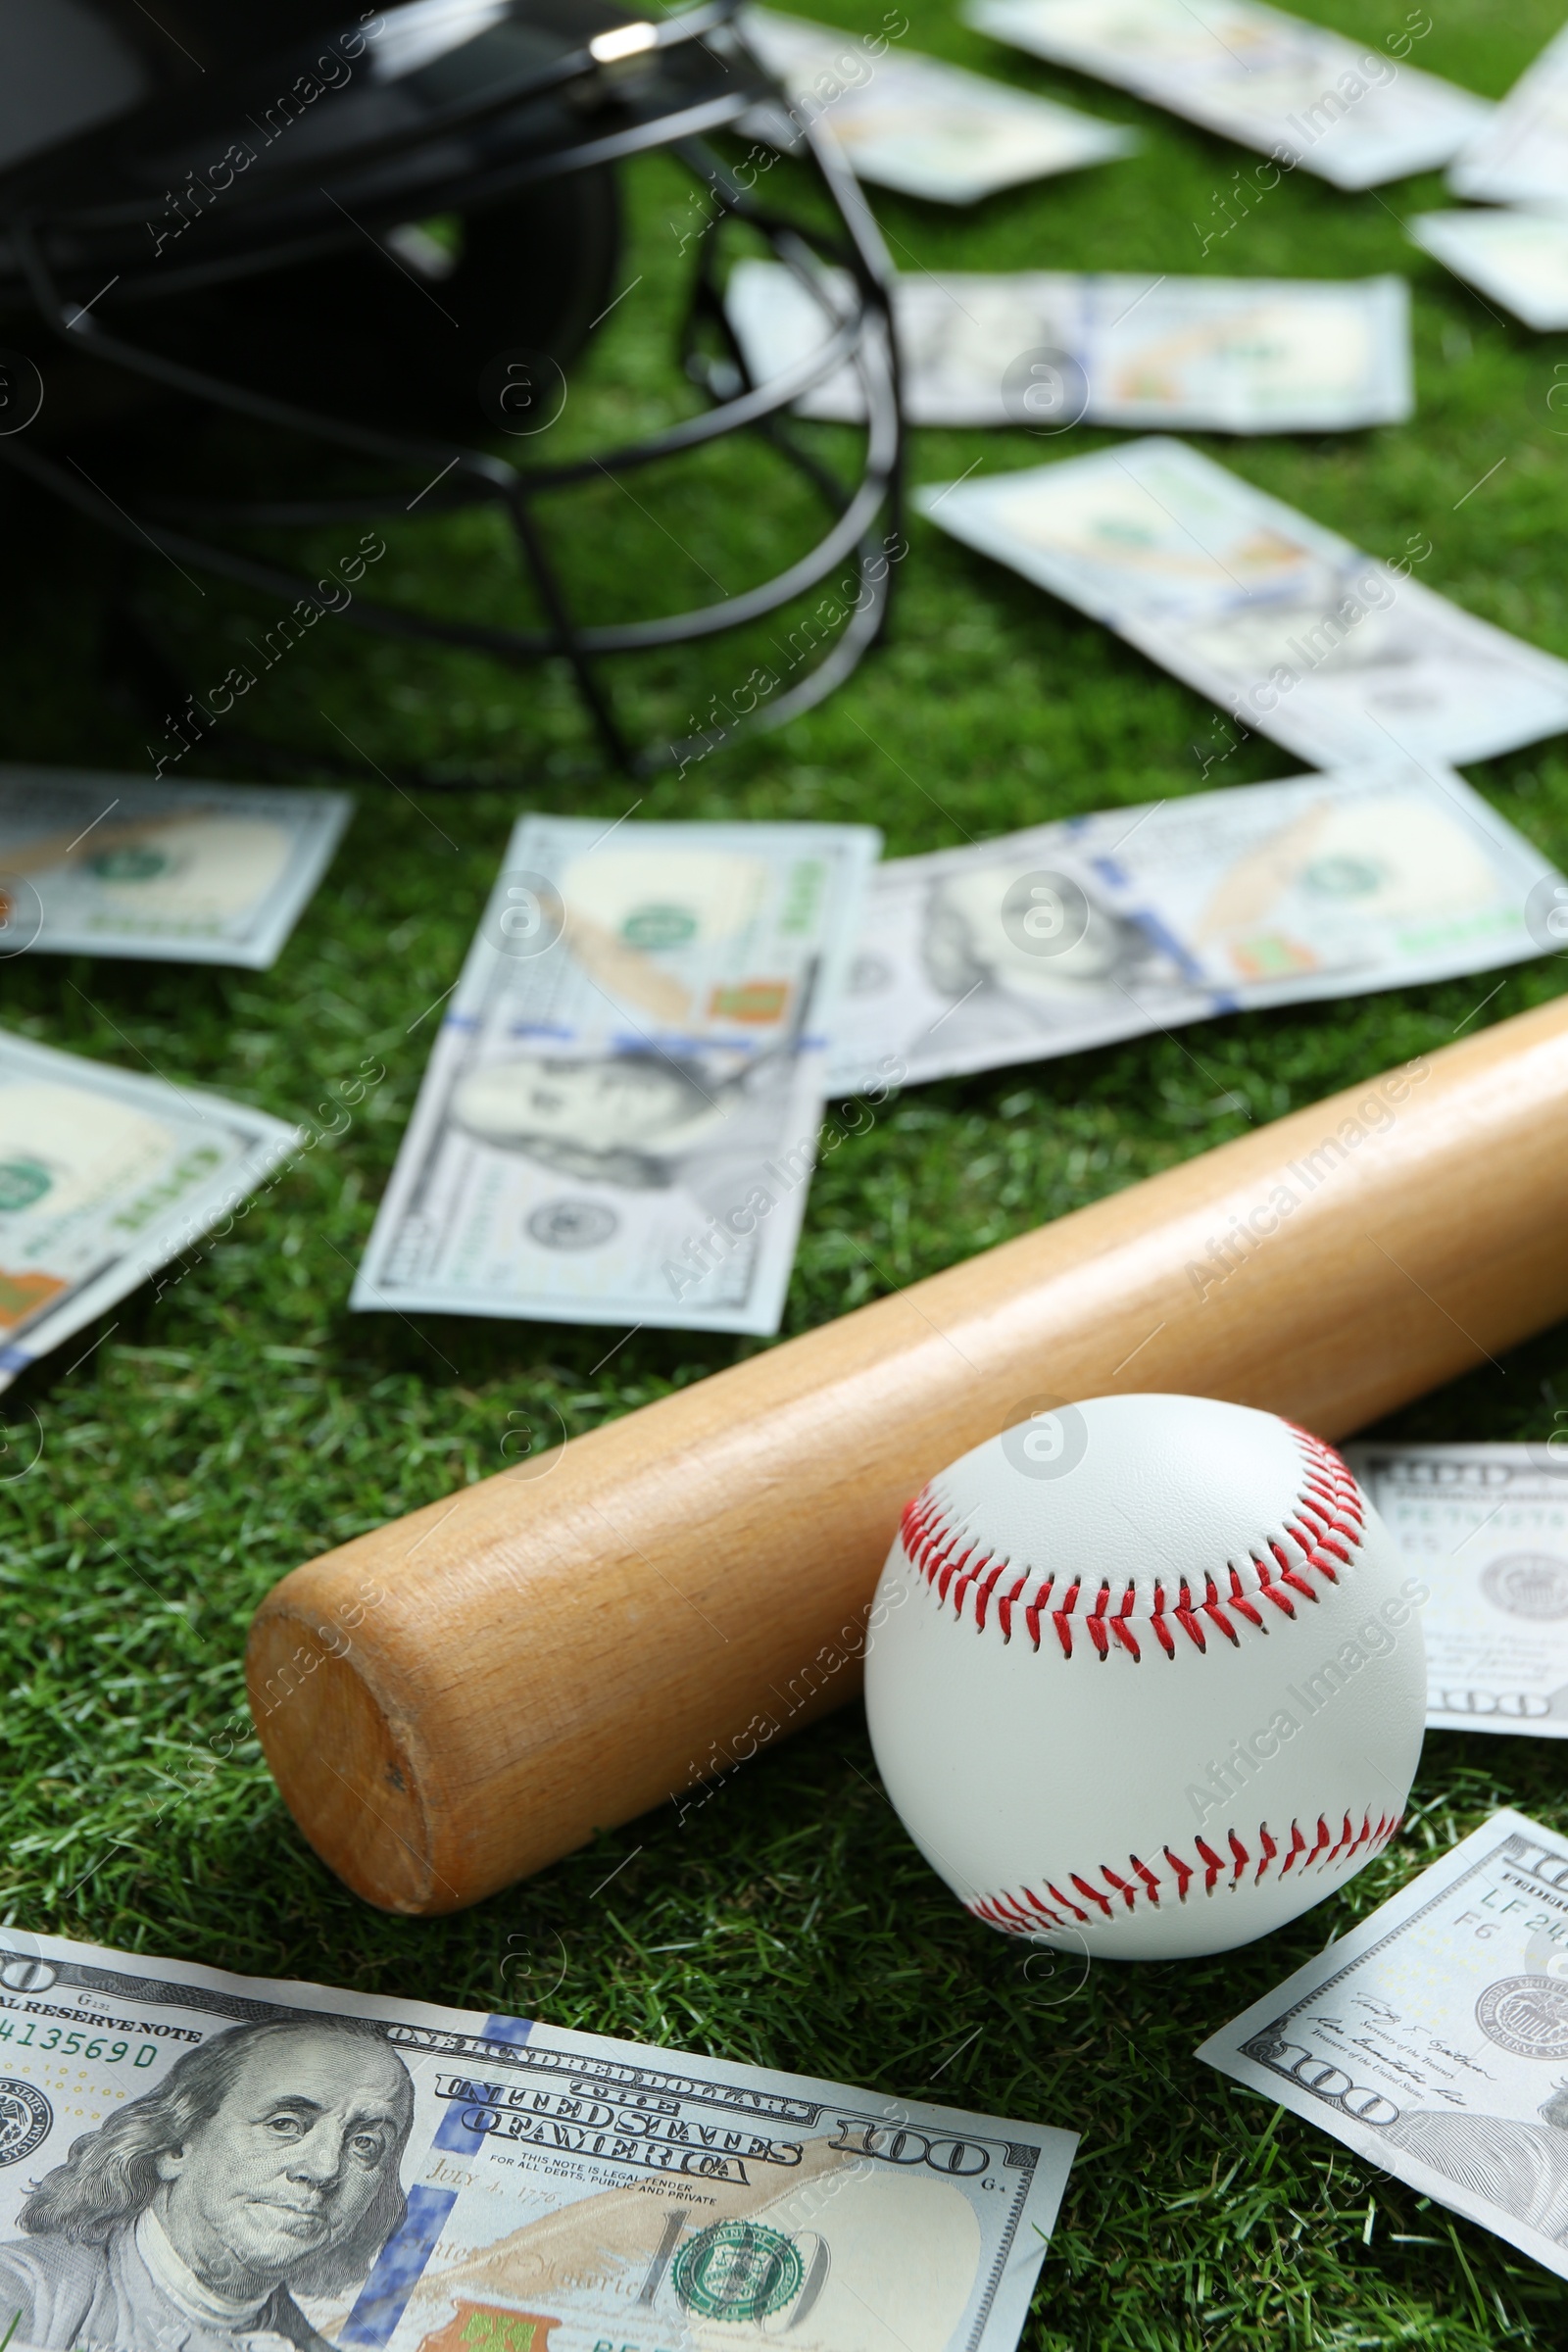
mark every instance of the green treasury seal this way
{"type": "Point", "coordinates": [738, 2271]}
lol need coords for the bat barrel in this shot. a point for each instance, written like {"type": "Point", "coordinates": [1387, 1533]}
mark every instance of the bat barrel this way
{"type": "Point", "coordinates": [468, 1692]}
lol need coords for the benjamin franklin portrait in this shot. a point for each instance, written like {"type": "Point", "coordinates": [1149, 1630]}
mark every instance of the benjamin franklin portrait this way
{"type": "Point", "coordinates": [1520, 2168]}
{"type": "Point", "coordinates": [266, 2162]}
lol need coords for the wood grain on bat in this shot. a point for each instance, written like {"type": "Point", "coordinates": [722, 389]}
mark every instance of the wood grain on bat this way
{"type": "Point", "coordinates": [468, 1692]}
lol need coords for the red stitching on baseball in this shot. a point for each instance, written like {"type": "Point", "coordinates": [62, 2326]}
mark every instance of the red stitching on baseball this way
{"type": "Point", "coordinates": [1059, 1618]}
{"type": "Point", "coordinates": [968, 1577]}
{"type": "Point", "coordinates": [1150, 1882]}
{"type": "Point", "coordinates": [1011, 1911]}
{"type": "Point", "coordinates": [1326, 1526]}
{"type": "Point", "coordinates": [983, 1595]}
{"type": "Point", "coordinates": [1213, 1867]}
{"type": "Point", "coordinates": [1005, 1607]}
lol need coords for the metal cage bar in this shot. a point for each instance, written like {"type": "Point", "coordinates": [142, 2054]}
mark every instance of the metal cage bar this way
{"type": "Point", "coordinates": [863, 340]}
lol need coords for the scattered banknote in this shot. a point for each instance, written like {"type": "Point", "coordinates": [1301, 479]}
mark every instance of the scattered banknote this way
{"type": "Point", "coordinates": [620, 1113]}
{"type": "Point", "coordinates": [388, 2173]}
{"type": "Point", "coordinates": [1335, 655]}
{"type": "Point", "coordinates": [913, 123]}
{"type": "Point", "coordinates": [1487, 1528]}
{"type": "Point", "coordinates": [1432, 2038]}
{"type": "Point", "coordinates": [1054, 348]}
{"type": "Point", "coordinates": [1520, 259]}
{"type": "Point", "coordinates": [104, 1177]}
{"type": "Point", "coordinates": [188, 873]}
{"type": "Point", "coordinates": [1107, 926]}
{"type": "Point", "coordinates": [1355, 114]}
{"type": "Point", "coordinates": [1521, 155]}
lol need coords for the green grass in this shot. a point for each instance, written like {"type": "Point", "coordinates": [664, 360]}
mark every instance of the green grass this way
{"type": "Point", "coordinates": [215, 1436]}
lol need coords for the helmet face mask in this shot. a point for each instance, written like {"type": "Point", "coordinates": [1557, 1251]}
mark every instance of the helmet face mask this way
{"type": "Point", "coordinates": [359, 269]}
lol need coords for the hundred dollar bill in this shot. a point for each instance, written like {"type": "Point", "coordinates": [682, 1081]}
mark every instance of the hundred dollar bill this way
{"type": "Point", "coordinates": [1355, 114]}
{"type": "Point", "coordinates": [232, 2164]}
{"type": "Point", "coordinates": [1229, 354]}
{"type": "Point", "coordinates": [620, 1113]}
{"type": "Point", "coordinates": [105, 1176]}
{"type": "Point", "coordinates": [1100, 927]}
{"type": "Point", "coordinates": [188, 873]}
{"type": "Point", "coordinates": [1520, 155]}
{"type": "Point", "coordinates": [1337, 655]}
{"type": "Point", "coordinates": [913, 123]}
{"type": "Point", "coordinates": [1487, 1528]}
{"type": "Point", "coordinates": [1520, 259]}
{"type": "Point", "coordinates": [1432, 2038]}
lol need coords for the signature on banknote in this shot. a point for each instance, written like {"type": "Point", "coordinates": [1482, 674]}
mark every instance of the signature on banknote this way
{"type": "Point", "coordinates": [1433, 2039]}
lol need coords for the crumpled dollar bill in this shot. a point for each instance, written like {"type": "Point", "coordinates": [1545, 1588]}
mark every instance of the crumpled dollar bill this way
{"type": "Point", "coordinates": [1356, 113]}
{"type": "Point", "coordinates": [1432, 2038]}
{"type": "Point", "coordinates": [620, 1114]}
{"type": "Point", "coordinates": [1486, 1526]}
{"type": "Point", "coordinates": [230, 2164]}
{"type": "Point", "coordinates": [186, 873]}
{"type": "Point", "coordinates": [915, 122]}
{"type": "Point", "coordinates": [1520, 154]}
{"type": "Point", "coordinates": [1050, 349]}
{"type": "Point", "coordinates": [1132, 919]}
{"type": "Point", "coordinates": [1335, 654]}
{"type": "Point", "coordinates": [107, 1175]}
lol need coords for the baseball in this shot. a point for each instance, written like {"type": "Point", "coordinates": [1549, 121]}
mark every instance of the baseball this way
{"type": "Point", "coordinates": [1146, 1676]}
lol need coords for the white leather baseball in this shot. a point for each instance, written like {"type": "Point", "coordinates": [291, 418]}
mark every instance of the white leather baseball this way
{"type": "Point", "coordinates": [1145, 1676]}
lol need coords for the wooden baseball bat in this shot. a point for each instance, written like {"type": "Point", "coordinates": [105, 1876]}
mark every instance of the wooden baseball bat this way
{"type": "Point", "coordinates": [470, 1693]}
